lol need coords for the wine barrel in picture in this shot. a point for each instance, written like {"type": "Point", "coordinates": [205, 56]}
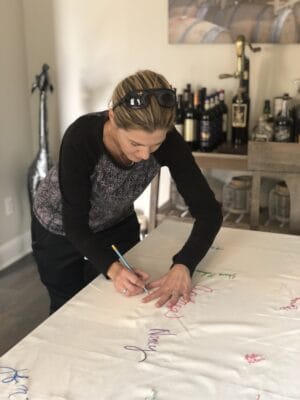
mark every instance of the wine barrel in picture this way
{"type": "Point", "coordinates": [296, 11]}
{"type": "Point", "coordinates": [188, 8]}
{"type": "Point", "coordinates": [194, 31]}
{"type": "Point", "coordinates": [284, 28]}
{"type": "Point", "coordinates": [254, 20]}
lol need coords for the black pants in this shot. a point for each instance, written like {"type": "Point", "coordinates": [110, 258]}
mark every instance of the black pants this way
{"type": "Point", "coordinates": [62, 268]}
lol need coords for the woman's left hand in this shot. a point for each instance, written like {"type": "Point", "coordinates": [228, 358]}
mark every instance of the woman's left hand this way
{"type": "Point", "coordinates": [171, 286]}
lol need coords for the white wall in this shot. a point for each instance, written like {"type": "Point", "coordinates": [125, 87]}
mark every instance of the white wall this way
{"type": "Point", "coordinates": [100, 42]}
{"type": "Point", "coordinates": [15, 133]}
{"type": "Point", "coordinates": [91, 45]}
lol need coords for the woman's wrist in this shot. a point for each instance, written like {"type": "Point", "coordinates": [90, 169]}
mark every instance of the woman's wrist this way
{"type": "Point", "coordinates": [113, 270]}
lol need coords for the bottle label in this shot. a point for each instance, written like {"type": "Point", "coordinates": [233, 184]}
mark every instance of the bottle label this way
{"type": "Point", "coordinates": [205, 136]}
{"type": "Point", "coordinates": [239, 115]}
{"type": "Point", "coordinates": [179, 128]}
{"type": "Point", "coordinates": [189, 130]}
{"type": "Point", "coordinates": [282, 134]}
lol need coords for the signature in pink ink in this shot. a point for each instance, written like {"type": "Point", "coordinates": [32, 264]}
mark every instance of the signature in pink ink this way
{"type": "Point", "coordinates": [153, 340]}
{"type": "Point", "coordinates": [173, 312]}
{"type": "Point", "coordinates": [294, 303]}
{"type": "Point", "coordinates": [253, 358]}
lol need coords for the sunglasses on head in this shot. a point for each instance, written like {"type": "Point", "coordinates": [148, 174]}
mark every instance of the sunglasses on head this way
{"type": "Point", "coordinates": [138, 99]}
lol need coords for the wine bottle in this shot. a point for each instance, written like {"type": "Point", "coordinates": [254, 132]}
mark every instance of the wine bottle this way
{"type": "Point", "coordinates": [240, 118]}
{"type": "Point", "coordinates": [205, 128]}
{"type": "Point", "coordinates": [179, 115]}
{"type": "Point", "coordinates": [224, 111]}
{"type": "Point", "coordinates": [190, 122]}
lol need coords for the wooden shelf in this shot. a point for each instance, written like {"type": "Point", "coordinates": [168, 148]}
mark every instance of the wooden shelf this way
{"type": "Point", "coordinates": [169, 211]}
{"type": "Point", "coordinates": [235, 162]}
{"type": "Point", "coordinates": [277, 160]}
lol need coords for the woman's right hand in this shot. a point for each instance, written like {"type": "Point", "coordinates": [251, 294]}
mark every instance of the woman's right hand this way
{"type": "Point", "coordinates": [125, 281]}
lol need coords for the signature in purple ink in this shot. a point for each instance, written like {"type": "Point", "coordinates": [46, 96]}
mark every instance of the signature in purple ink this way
{"type": "Point", "coordinates": [293, 304]}
{"type": "Point", "coordinates": [173, 312]}
{"type": "Point", "coordinates": [153, 341]}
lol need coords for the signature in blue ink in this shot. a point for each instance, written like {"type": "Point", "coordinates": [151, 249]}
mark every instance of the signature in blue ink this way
{"type": "Point", "coordinates": [15, 377]}
{"type": "Point", "coordinates": [22, 389]}
{"type": "Point", "coordinates": [153, 340]}
{"type": "Point", "coordinates": [12, 375]}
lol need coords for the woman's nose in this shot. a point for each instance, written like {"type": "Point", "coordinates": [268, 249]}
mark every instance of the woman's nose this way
{"type": "Point", "coordinates": [145, 153]}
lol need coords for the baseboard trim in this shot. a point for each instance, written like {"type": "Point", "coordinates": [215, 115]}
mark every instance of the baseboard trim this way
{"type": "Point", "coordinates": [14, 250]}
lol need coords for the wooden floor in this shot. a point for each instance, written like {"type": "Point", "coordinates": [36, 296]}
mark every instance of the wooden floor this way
{"type": "Point", "coordinates": [24, 302]}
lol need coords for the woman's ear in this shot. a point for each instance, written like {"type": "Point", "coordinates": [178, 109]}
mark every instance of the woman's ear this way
{"type": "Point", "coordinates": [111, 116]}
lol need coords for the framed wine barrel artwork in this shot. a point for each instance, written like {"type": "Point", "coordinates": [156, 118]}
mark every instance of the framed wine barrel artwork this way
{"type": "Point", "coordinates": [222, 21]}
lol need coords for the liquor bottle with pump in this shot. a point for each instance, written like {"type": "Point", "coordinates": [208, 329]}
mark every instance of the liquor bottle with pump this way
{"type": "Point", "coordinates": [224, 111]}
{"type": "Point", "coordinates": [240, 117]}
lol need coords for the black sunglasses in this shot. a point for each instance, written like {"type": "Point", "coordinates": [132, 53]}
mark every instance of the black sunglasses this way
{"type": "Point", "coordinates": [138, 99]}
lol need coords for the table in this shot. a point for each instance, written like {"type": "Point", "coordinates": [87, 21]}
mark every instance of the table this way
{"type": "Point", "coordinates": [237, 339]}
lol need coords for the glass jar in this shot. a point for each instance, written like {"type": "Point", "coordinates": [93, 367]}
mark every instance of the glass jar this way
{"type": "Point", "coordinates": [279, 203]}
{"type": "Point", "coordinates": [236, 196]}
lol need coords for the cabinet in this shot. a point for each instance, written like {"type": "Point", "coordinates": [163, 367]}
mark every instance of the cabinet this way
{"type": "Point", "coordinates": [277, 160]}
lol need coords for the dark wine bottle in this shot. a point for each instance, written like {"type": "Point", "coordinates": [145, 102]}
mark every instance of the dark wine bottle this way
{"type": "Point", "coordinates": [179, 115]}
{"type": "Point", "coordinates": [190, 124]}
{"type": "Point", "coordinates": [224, 111]}
{"type": "Point", "coordinates": [240, 118]}
{"type": "Point", "coordinates": [205, 140]}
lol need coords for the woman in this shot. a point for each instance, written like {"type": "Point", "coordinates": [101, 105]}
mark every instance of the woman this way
{"type": "Point", "coordinates": [85, 205]}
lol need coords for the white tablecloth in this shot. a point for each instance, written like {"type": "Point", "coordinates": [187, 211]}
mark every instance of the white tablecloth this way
{"type": "Point", "coordinates": [239, 337]}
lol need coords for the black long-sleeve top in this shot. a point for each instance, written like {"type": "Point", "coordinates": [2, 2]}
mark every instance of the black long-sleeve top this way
{"type": "Point", "coordinates": [90, 192]}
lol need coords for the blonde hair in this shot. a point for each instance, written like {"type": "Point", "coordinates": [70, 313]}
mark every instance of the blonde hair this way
{"type": "Point", "coordinates": [150, 118]}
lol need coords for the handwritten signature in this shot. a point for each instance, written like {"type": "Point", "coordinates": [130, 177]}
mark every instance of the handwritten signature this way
{"type": "Point", "coordinates": [293, 304]}
{"type": "Point", "coordinates": [153, 341]}
{"type": "Point", "coordinates": [253, 358]}
{"type": "Point", "coordinates": [16, 377]}
{"type": "Point", "coordinates": [216, 247]}
{"type": "Point", "coordinates": [173, 312]}
{"type": "Point", "coordinates": [212, 274]}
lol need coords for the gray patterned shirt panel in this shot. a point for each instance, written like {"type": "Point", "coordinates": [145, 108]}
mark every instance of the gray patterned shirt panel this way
{"type": "Point", "coordinates": [113, 192]}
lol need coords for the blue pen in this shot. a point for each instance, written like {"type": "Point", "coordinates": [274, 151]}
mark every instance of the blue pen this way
{"type": "Point", "coordinates": [125, 263]}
